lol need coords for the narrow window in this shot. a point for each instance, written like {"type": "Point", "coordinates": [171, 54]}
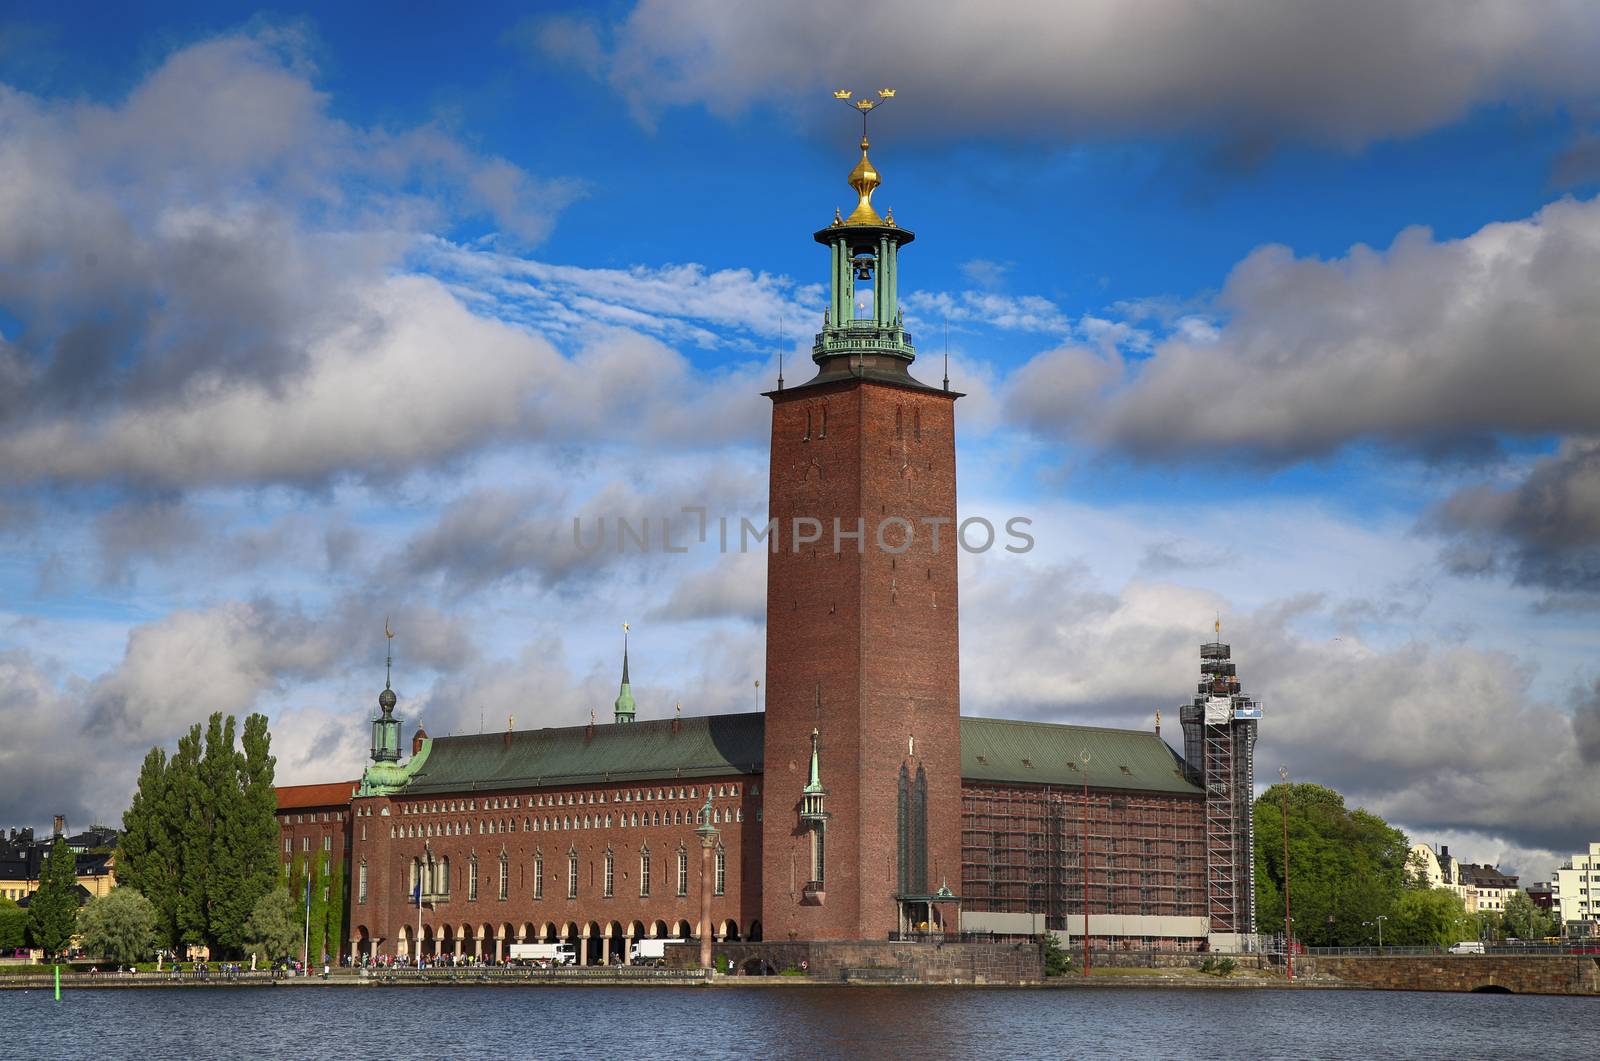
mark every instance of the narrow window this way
{"type": "Point", "coordinates": [611, 883]}
{"type": "Point", "coordinates": [361, 882]}
{"type": "Point", "coordinates": [644, 873]}
{"type": "Point", "coordinates": [899, 422]}
{"type": "Point", "coordinates": [572, 875]}
{"type": "Point", "coordinates": [472, 879]}
{"type": "Point", "coordinates": [683, 872]}
{"type": "Point", "coordinates": [722, 870]}
{"type": "Point", "coordinates": [505, 877]}
{"type": "Point", "coordinates": [538, 875]}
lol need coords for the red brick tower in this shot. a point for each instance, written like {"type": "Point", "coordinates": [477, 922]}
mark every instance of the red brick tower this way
{"type": "Point", "coordinates": [861, 616]}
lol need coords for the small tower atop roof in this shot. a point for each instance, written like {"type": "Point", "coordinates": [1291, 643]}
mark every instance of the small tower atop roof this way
{"type": "Point", "coordinates": [624, 706]}
{"type": "Point", "coordinates": [386, 728]}
{"type": "Point", "coordinates": [813, 796]}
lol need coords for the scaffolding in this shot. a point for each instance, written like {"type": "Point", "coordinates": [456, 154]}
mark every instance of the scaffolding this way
{"type": "Point", "coordinates": [1219, 736]}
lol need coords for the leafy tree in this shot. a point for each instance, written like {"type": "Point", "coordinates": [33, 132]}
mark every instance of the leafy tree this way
{"type": "Point", "coordinates": [1435, 917]}
{"type": "Point", "coordinates": [1524, 920]}
{"type": "Point", "coordinates": [1345, 866]}
{"type": "Point", "coordinates": [273, 928]}
{"type": "Point", "coordinates": [1056, 960]}
{"type": "Point", "coordinates": [13, 925]}
{"type": "Point", "coordinates": [333, 905]}
{"type": "Point", "coordinates": [200, 837]}
{"type": "Point", "coordinates": [121, 925]}
{"type": "Point", "coordinates": [53, 909]}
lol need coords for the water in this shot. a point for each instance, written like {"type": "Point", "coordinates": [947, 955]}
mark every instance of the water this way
{"type": "Point", "coordinates": [817, 1024]}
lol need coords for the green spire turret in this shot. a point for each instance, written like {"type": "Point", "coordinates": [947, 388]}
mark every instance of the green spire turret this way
{"type": "Point", "coordinates": [812, 797]}
{"type": "Point", "coordinates": [624, 706]}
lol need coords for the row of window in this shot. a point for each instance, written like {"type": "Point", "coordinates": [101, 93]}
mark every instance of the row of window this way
{"type": "Point", "coordinates": [312, 819]}
{"type": "Point", "coordinates": [568, 799]}
{"type": "Point", "coordinates": [560, 823]}
{"type": "Point", "coordinates": [305, 843]}
{"type": "Point", "coordinates": [432, 875]}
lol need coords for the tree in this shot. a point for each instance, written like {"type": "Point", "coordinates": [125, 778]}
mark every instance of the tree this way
{"type": "Point", "coordinates": [273, 928]}
{"type": "Point", "coordinates": [53, 909]}
{"type": "Point", "coordinates": [1346, 867]}
{"type": "Point", "coordinates": [121, 925]}
{"type": "Point", "coordinates": [200, 837]}
{"type": "Point", "coordinates": [13, 926]}
{"type": "Point", "coordinates": [1434, 917]}
{"type": "Point", "coordinates": [1524, 920]}
{"type": "Point", "coordinates": [333, 885]}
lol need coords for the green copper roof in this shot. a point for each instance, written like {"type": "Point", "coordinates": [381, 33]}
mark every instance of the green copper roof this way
{"type": "Point", "coordinates": [703, 746]}
{"type": "Point", "coordinates": [624, 706]}
{"type": "Point", "coordinates": [997, 749]}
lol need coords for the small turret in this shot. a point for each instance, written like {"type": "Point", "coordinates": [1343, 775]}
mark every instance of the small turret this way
{"type": "Point", "coordinates": [386, 728]}
{"type": "Point", "coordinates": [624, 706]}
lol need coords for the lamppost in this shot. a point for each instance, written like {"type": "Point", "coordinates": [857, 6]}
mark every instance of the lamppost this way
{"type": "Point", "coordinates": [1381, 919]}
{"type": "Point", "coordinates": [708, 840]}
{"type": "Point", "coordinates": [1083, 850]}
{"type": "Point", "coordinates": [1288, 923]}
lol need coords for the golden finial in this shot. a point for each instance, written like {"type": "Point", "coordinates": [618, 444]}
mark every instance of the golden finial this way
{"type": "Point", "coordinates": [386, 631]}
{"type": "Point", "coordinates": [864, 178]}
{"type": "Point", "coordinates": [1217, 626]}
{"type": "Point", "coordinates": [838, 219]}
{"type": "Point", "coordinates": [888, 217]}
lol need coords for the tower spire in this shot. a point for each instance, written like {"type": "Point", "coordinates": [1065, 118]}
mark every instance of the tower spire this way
{"type": "Point", "coordinates": [386, 728]}
{"type": "Point", "coordinates": [624, 706]}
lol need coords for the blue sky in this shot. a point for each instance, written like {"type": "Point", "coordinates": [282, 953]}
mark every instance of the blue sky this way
{"type": "Point", "coordinates": [312, 316]}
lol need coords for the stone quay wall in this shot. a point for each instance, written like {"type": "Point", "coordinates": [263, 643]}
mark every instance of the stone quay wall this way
{"type": "Point", "coordinates": [878, 960]}
{"type": "Point", "coordinates": [1542, 975]}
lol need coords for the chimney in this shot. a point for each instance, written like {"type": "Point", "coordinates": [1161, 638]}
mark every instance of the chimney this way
{"type": "Point", "coordinates": [60, 826]}
{"type": "Point", "coordinates": [1444, 850]}
{"type": "Point", "coordinates": [416, 740]}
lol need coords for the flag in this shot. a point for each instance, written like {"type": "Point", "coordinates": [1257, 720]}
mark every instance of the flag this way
{"type": "Point", "coordinates": [416, 894]}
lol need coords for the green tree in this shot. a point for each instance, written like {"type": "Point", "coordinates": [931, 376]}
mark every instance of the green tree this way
{"type": "Point", "coordinates": [1524, 920]}
{"type": "Point", "coordinates": [121, 925]}
{"type": "Point", "coordinates": [53, 909]}
{"type": "Point", "coordinates": [333, 906]}
{"type": "Point", "coordinates": [13, 926]}
{"type": "Point", "coordinates": [200, 836]}
{"type": "Point", "coordinates": [1435, 917]}
{"type": "Point", "coordinates": [1346, 866]}
{"type": "Point", "coordinates": [273, 928]}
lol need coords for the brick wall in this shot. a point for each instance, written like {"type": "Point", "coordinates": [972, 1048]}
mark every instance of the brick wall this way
{"type": "Point", "coordinates": [861, 645]}
{"type": "Point", "coordinates": [995, 963]}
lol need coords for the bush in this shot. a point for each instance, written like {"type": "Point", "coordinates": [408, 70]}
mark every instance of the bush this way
{"type": "Point", "coordinates": [1057, 962]}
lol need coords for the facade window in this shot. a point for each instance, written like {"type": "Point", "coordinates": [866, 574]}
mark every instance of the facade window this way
{"type": "Point", "coordinates": [683, 872]}
{"type": "Point", "coordinates": [305, 843]}
{"type": "Point", "coordinates": [644, 873]}
{"type": "Point", "coordinates": [505, 877]}
{"type": "Point", "coordinates": [327, 842]}
{"type": "Point", "coordinates": [538, 875]}
{"type": "Point", "coordinates": [288, 844]}
{"type": "Point", "coordinates": [472, 879]}
{"type": "Point", "coordinates": [610, 882]}
{"type": "Point", "coordinates": [819, 852]}
{"type": "Point", "coordinates": [361, 882]}
{"type": "Point", "coordinates": [722, 869]}
{"type": "Point", "coordinates": [443, 873]}
{"type": "Point", "coordinates": [572, 874]}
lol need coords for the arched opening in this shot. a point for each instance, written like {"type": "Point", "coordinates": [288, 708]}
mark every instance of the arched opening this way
{"type": "Point", "coordinates": [363, 942]}
{"type": "Point", "coordinates": [593, 944]}
{"type": "Point", "coordinates": [614, 950]}
{"type": "Point", "coordinates": [1492, 989]}
{"type": "Point", "coordinates": [502, 945]}
{"type": "Point", "coordinates": [682, 930]}
{"type": "Point", "coordinates": [402, 944]}
{"type": "Point", "coordinates": [659, 930]}
{"type": "Point", "coordinates": [754, 935]}
{"type": "Point", "coordinates": [425, 946]}
{"type": "Point", "coordinates": [527, 933]}
{"type": "Point", "coordinates": [730, 931]}
{"type": "Point", "coordinates": [757, 967]}
{"type": "Point", "coordinates": [549, 933]}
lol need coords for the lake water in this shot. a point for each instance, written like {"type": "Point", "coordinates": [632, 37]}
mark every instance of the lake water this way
{"type": "Point", "coordinates": [815, 1024]}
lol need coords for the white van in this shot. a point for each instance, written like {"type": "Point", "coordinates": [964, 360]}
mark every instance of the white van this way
{"type": "Point", "coordinates": [1467, 947]}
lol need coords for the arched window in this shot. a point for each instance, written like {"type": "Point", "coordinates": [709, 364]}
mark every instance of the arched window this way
{"type": "Point", "coordinates": [572, 874]}
{"type": "Point", "coordinates": [721, 869]}
{"type": "Point", "coordinates": [361, 882]}
{"type": "Point", "coordinates": [683, 872]}
{"type": "Point", "coordinates": [505, 877]}
{"type": "Point", "coordinates": [644, 871]}
{"type": "Point", "coordinates": [538, 874]}
{"type": "Point", "coordinates": [611, 874]}
{"type": "Point", "coordinates": [472, 879]}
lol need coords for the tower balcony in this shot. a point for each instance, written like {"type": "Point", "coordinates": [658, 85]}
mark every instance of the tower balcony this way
{"type": "Point", "coordinates": [862, 337]}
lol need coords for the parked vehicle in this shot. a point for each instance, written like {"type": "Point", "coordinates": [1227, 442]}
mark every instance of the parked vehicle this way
{"type": "Point", "coordinates": [542, 953]}
{"type": "Point", "coordinates": [649, 952]}
{"type": "Point", "coordinates": [1467, 946]}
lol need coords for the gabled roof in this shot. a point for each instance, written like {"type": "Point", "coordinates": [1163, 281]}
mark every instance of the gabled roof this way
{"type": "Point", "coordinates": [702, 746]}
{"type": "Point", "coordinates": [1044, 753]}
{"type": "Point", "coordinates": [304, 797]}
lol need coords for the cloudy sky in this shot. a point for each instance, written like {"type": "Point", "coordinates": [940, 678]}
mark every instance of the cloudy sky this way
{"type": "Point", "coordinates": [1280, 312]}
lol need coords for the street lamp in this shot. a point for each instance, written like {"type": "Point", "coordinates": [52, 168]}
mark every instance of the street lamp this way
{"type": "Point", "coordinates": [708, 840]}
{"type": "Point", "coordinates": [1288, 922]}
{"type": "Point", "coordinates": [1381, 919]}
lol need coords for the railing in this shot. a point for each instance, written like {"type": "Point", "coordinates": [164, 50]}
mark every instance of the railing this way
{"type": "Point", "coordinates": [960, 937]}
{"type": "Point", "coordinates": [517, 974]}
{"type": "Point", "coordinates": [1498, 950]}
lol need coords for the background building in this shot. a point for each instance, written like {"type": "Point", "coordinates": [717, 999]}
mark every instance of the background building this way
{"type": "Point", "coordinates": [1575, 892]}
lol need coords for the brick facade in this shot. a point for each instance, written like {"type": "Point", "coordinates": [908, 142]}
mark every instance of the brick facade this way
{"type": "Point", "coordinates": [861, 645]}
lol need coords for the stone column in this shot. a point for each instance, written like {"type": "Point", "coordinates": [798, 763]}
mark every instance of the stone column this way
{"type": "Point", "coordinates": [705, 902]}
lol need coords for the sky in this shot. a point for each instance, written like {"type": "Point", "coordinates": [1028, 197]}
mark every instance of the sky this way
{"type": "Point", "coordinates": [1278, 314]}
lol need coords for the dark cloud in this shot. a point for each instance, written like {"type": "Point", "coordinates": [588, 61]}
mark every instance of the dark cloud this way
{"type": "Point", "coordinates": [1345, 73]}
{"type": "Point", "coordinates": [1544, 529]}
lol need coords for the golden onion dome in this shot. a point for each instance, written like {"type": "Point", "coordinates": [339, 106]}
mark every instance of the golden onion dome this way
{"type": "Point", "coordinates": [864, 178]}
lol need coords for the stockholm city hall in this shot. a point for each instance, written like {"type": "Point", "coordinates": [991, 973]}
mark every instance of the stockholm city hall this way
{"type": "Point", "coordinates": [861, 804]}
